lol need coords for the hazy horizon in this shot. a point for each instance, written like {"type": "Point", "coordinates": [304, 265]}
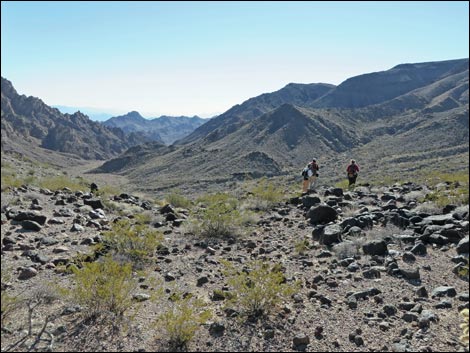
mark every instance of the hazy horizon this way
{"type": "Point", "coordinates": [202, 58]}
{"type": "Point", "coordinates": [102, 114]}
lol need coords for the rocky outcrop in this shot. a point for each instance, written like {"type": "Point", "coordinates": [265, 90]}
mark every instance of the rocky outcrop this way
{"type": "Point", "coordinates": [29, 120]}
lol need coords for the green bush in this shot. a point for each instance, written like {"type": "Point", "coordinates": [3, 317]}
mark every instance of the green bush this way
{"type": "Point", "coordinates": [135, 242]}
{"type": "Point", "coordinates": [457, 195]}
{"type": "Point", "coordinates": [11, 179]}
{"type": "Point", "coordinates": [9, 303]}
{"type": "Point", "coordinates": [266, 194]}
{"type": "Point", "coordinates": [177, 200]}
{"type": "Point", "coordinates": [464, 327]}
{"type": "Point", "coordinates": [302, 246]}
{"type": "Point", "coordinates": [343, 184]}
{"type": "Point", "coordinates": [181, 321]}
{"type": "Point", "coordinates": [61, 181]}
{"type": "Point", "coordinates": [145, 217]}
{"type": "Point", "coordinates": [258, 289]}
{"type": "Point", "coordinates": [103, 287]}
{"type": "Point", "coordinates": [220, 218]}
{"type": "Point", "coordinates": [106, 190]}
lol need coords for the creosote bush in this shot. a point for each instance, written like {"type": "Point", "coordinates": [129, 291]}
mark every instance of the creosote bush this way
{"type": "Point", "coordinates": [176, 199]}
{"type": "Point", "coordinates": [220, 218]}
{"type": "Point", "coordinates": [61, 181]}
{"type": "Point", "coordinates": [265, 194]}
{"type": "Point", "coordinates": [181, 321]}
{"type": "Point", "coordinates": [136, 242]}
{"type": "Point", "coordinates": [259, 288]}
{"type": "Point", "coordinates": [302, 246]}
{"type": "Point", "coordinates": [9, 303]}
{"type": "Point", "coordinates": [464, 327]}
{"type": "Point", "coordinates": [103, 287]}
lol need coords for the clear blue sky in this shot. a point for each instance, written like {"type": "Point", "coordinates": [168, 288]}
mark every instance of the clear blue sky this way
{"type": "Point", "coordinates": [187, 58]}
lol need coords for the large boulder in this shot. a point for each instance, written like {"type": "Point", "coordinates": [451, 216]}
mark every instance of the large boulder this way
{"type": "Point", "coordinates": [375, 247]}
{"type": "Point", "coordinates": [462, 246]}
{"type": "Point", "coordinates": [309, 201]}
{"type": "Point", "coordinates": [322, 214]}
{"type": "Point", "coordinates": [329, 234]}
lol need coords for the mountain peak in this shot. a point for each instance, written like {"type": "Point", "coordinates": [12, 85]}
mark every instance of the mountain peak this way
{"type": "Point", "coordinates": [7, 88]}
{"type": "Point", "coordinates": [134, 114]}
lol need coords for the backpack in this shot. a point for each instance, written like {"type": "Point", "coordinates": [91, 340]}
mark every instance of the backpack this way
{"type": "Point", "coordinates": [305, 172]}
{"type": "Point", "coordinates": [351, 170]}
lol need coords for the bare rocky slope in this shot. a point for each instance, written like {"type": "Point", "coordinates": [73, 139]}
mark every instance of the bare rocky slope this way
{"type": "Point", "coordinates": [378, 271]}
{"type": "Point", "coordinates": [29, 125]}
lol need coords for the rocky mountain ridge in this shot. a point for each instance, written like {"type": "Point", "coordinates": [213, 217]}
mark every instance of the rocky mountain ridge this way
{"type": "Point", "coordinates": [28, 123]}
{"type": "Point", "coordinates": [164, 129]}
{"type": "Point", "coordinates": [420, 118]}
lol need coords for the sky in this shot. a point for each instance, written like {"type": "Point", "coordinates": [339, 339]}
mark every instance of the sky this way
{"type": "Point", "coordinates": [201, 58]}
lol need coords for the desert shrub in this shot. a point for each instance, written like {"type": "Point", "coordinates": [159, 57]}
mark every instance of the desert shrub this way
{"type": "Point", "coordinates": [178, 200]}
{"type": "Point", "coordinates": [9, 303]}
{"type": "Point", "coordinates": [428, 207]}
{"type": "Point", "coordinates": [434, 177]}
{"type": "Point", "coordinates": [145, 217]}
{"type": "Point", "coordinates": [456, 191]}
{"type": "Point", "coordinates": [136, 242]}
{"type": "Point", "coordinates": [106, 190]}
{"type": "Point", "coordinates": [350, 211]}
{"type": "Point", "coordinates": [302, 246]}
{"type": "Point", "coordinates": [220, 218]}
{"type": "Point", "coordinates": [103, 287]}
{"type": "Point", "coordinates": [121, 208]}
{"type": "Point", "coordinates": [414, 195]}
{"type": "Point", "coordinates": [464, 313]}
{"type": "Point", "coordinates": [10, 180]}
{"type": "Point", "coordinates": [384, 180]}
{"type": "Point", "coordinates": [464, 326]}
{"type": "Point", "coordinates": [343, 184]}
{"type": "Point", "coordinates": [182, 320]}
{"type": "Point", "coordinates": [38, 296]}
{"type": "Point", "coordinates": [457, 195]}
{"type": "Point", "coordinates": [259, 288]}
{"type": "Point", "coordinates": [389, 231]}
{"type": "Point", "coordinates": [347, 249]}
{"type": "Point", "coordinates": [61, 181]}
{"type": "Point", "coordinates": [266, 193]}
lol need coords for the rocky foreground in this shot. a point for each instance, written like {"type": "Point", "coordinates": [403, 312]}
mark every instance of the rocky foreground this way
{"type": "Point", "coordinates": [378, 271]}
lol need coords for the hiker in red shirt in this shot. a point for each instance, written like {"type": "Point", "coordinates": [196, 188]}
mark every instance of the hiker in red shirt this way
{"type": "Point", "coordinates": [352, 171]}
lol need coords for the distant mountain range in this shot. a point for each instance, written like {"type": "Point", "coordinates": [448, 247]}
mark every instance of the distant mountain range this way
{"type": "Point", "coordinates": [164, 129]}
{"type": "Point", "coordinates": [405, 118]}
{"type": "Point", "coordinates": [410, 117]}
{"type": "Point", "coordinates": [93, 113]}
